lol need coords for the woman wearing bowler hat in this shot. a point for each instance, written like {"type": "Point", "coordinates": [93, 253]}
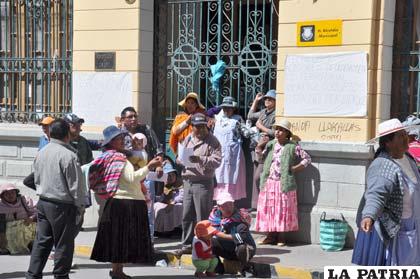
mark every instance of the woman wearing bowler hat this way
{"type": "Point", "coordinates": [389, 212]}
{"type": "Point", "coordinates": [230, 175]}
{"type": "Point", "coordinates": [123, 232]}
{"type": "Point", "coordinates": [277, 202]}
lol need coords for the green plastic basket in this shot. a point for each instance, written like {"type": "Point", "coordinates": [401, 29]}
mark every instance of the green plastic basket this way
{"type": "Point", "coordinates": [332, 233]}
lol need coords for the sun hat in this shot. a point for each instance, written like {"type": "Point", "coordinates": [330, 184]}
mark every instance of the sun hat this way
{"type": "Point", "coordinates": [229, 102]}
{"type": "Point", "coordinates": [224, 198]}
{"type": "Point", "coordinates": [46, 121]}
{"type": "Point", "coordinates": [110, 133]}
{"type": "Point", "coordinates": [73, 118]}
{"type": "Point", "coordinates": [168, 168]}
{"type": "Point", "coordinates": [191, 95]}
{"type": "Point", "coordinates": [270, 94]}
{"type": "Point", "coordinates": [7, 187]}
{"type": "Point", "coordinates": [284, 123]}
{"type": "Point", "coordinates": [198, 119]}
{"type": "Point", "coordinates": [203, 228]}
{"type": "Point", "coordinates": [388, 127]}
{"type": "Point", "coordinates": [141, 136]}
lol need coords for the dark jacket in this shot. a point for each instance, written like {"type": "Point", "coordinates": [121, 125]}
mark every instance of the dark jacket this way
{"type": "Point", "coordinates": [84, 152]}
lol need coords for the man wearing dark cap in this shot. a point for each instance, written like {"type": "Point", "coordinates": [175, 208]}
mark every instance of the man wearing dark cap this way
{"type": "Point", "coordinates": [198, 177]}
{"type": "Point", "coordinates": [80, 143]}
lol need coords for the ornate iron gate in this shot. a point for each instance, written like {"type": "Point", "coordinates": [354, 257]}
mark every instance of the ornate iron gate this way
{"type": "Point", "coordinates": [190, 36]}
{"type": "Point", "coordinates": [35, 58]}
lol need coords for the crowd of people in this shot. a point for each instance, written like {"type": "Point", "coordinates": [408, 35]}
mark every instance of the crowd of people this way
{"type": "Point", "coordinates": [201, 190]}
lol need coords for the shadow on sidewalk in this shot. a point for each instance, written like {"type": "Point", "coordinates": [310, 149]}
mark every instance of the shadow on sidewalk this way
{"type": "Point", "coordinates": [93, 266]}
{"type": "Point", "coordinates": [181, 276]}
{"type": "Point", "coordinates": [271, 251]}
{"type": "Point", "coordinates": [19, 274]}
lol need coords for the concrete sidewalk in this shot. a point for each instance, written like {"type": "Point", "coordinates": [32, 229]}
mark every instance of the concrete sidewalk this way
{"type": "Point", "coordinates": [292, 261]}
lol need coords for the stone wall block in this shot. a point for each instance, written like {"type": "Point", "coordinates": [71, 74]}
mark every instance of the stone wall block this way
{"type": "Point", "coordinates": [18, 168]}
{"type": "Point", "coordinates": [2, 167]}
{"type": "Point", "coordinates": [343, 170]}
{"type": "Point", "coordinates": [327, 194]}
{"type": "Point", "coordinates": [9, 150]}
{"type": "Point", "coordinates": [349, 195]}
{"type": "Point", "coordinates": [29, 152]}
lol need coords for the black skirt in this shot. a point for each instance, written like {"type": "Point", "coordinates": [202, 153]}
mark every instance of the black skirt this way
{"type": "Point", "coordinates": [123, 233]}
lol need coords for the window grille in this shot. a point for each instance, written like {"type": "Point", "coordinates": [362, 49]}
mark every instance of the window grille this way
{"type": "Point", "coordinates": [35, 59]}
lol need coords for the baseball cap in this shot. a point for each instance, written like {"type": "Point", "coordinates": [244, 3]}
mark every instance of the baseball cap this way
{"type": "Point", "coordinates": [224, 198]}
{"type": "Point", "coordinates": [73, 118]}
{"type": "Point", "coordinates": [198, 119]}
{"type": "Point", "coordinates": [204, 228]}
{"type": "Point", "coordinates": [46, 121]}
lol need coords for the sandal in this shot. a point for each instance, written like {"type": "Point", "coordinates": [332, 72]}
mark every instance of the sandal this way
{"type": "Point", "coordinates": [267, 241]}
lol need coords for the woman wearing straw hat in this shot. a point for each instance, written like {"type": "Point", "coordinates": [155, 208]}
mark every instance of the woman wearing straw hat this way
{"type": "Point", "coordinates": [230, 176]}
{"type": "Point", "coordinates": [389, 212]}
{"type": "Point", "coordinates": [181, 127]}
{"type": "Point", "coordinates": [277, 202]}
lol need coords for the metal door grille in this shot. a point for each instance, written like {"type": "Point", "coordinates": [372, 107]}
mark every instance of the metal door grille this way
{"type": "Point", "coordinates": [35, 58]}
{"type": "Point", "coordinates": [190, 36]}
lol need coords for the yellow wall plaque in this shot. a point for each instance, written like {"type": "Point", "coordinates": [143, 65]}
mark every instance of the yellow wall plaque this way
{"type": "Point", "coordinates": [319, 33]}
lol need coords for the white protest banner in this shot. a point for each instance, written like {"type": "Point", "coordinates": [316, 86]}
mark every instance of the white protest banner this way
{"type": "Point", "coordinates": [99, 97]}
{"type": "Point", "coordinates": [333, 84]}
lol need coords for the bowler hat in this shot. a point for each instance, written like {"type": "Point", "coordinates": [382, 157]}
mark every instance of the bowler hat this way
{"type": "Point", "coordinates": [228, 102]}
{"type": "Point", "coordinates": [110, 133]}
{"type": "Point", "coordinates": [270, 94]}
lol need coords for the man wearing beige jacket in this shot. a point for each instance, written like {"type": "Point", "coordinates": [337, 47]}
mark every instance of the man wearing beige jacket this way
{"type": "Point", "coordinates": [204, 157]}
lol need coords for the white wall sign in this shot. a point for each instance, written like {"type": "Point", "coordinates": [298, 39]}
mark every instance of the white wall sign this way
{"type": "Point", "coordinates": [99, 97]}
{"type": "Point", "coordinates": [333, 84]}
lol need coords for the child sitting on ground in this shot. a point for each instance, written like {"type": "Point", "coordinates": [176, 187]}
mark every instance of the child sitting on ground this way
{"type": "Point", "coordinates": [202, 257]}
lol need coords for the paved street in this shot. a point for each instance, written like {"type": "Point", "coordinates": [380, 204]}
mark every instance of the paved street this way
{"type": "Point", "coordinates": [16, 266]}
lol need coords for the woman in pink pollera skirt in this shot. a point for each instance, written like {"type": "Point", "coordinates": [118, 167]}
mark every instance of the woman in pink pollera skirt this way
{"type": "Point", "coordinates": [277, 202]}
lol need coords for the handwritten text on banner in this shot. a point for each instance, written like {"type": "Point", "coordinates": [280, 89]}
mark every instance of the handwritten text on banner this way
{"type": "Point", "coordinates": [332, 84]}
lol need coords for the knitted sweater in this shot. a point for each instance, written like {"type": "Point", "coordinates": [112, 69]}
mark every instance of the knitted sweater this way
{"type": "Point", "coordinates": [288, 158]}
{"type": "Point", "coordinates": [383, 199]}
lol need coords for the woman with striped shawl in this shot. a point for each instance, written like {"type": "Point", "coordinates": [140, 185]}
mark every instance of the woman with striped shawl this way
{"type": "Point", "coordinates": [123, 231]}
